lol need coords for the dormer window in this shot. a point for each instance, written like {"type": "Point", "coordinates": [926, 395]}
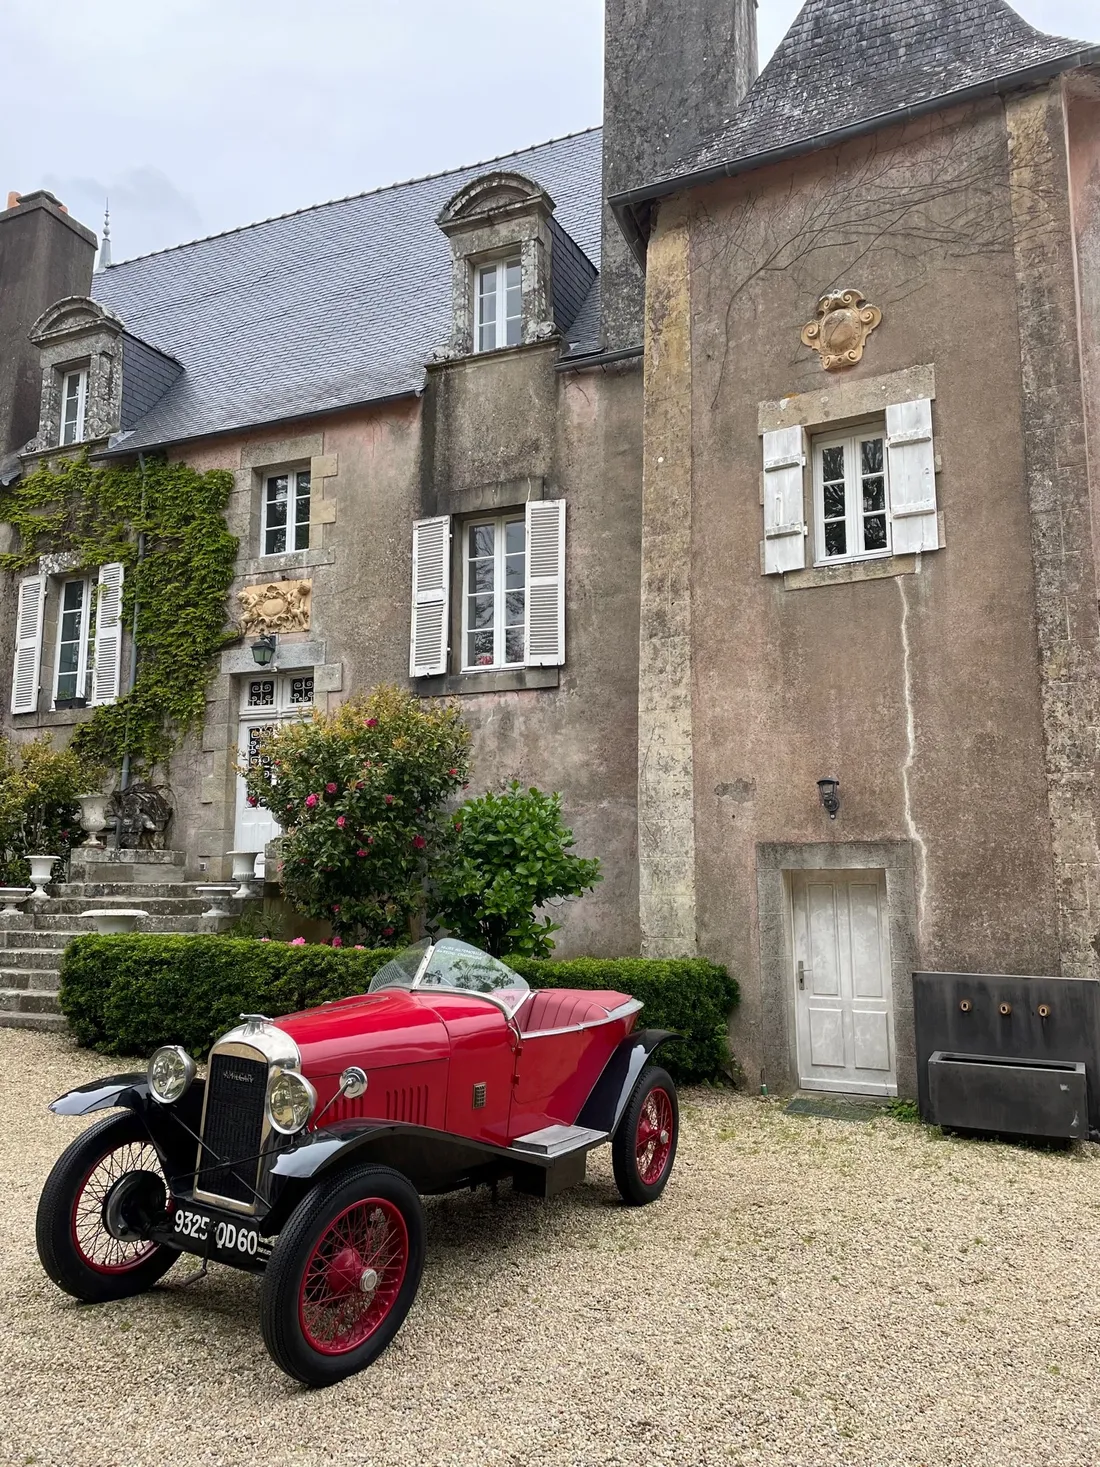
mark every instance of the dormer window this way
{"type": "Point", "coordinates": [74, 398]}
{"type": "Point", "coordinates": [499, 304]}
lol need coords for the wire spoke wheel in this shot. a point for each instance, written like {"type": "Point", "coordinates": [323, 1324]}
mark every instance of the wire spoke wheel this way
{"type": "Point", "coordinates": [95, 1245]}
{"type": "Point", "coordinates": [354, 1276]}
{"type": "Point", "coordinates": [654, 1136]}
{"type": "Point", "coordinates": [644, 1146]}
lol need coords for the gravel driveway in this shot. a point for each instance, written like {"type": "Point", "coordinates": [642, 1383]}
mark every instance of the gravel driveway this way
{"type": "Point", "coordinates": [808, 1293]}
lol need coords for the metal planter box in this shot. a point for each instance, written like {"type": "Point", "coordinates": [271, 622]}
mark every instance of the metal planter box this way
{"type": "Point", "coordinates": [981, 1092]}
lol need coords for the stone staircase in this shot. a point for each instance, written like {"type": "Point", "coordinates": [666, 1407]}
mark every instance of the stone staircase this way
{"type": "Point", "coordinates": [31, 943]}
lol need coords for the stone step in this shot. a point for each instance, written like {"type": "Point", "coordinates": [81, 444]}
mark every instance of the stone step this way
{"type": "Point", "coordinates": [28, 1001]}
{"type": "Point", "coordinates": [49, 1023]}
{"type": "Point", "coordinates": [23, 937]}
{"type": "Point", "coordinates": [157, 922]}
{"type": "Point", "coordinates": [23, 958]}
{"type": "Point", "coordinates": [47, 981]}
{"type": "Point", "coordinates": [188, 906]}
{"type": "Point", "coordinates": [135, 891]}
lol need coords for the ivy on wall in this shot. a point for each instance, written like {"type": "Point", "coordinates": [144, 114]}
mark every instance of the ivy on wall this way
{"type": "Point", "coordinates": [179, 584]}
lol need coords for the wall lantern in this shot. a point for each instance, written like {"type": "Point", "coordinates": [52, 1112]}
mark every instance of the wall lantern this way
{"type": "Point", "coordinates": [829, 789]}
{"type": "Point", "coordinates": [263, 650]}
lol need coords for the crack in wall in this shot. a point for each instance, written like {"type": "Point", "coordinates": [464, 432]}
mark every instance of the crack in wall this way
{"type": "Point", "coordinates": [910, 759]}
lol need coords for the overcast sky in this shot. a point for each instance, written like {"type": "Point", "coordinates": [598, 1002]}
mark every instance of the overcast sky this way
{"type": "Point", "coordinates": [199, 115]}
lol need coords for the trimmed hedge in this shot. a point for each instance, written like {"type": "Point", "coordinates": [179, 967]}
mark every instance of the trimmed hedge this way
{"type": "Point", "coordinates": [126, 995]}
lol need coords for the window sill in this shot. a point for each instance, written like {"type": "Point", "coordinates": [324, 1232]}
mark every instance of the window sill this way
{"type": "Point", "coordinates": [507, 680]}
{"type": "Point", "coordinates": [262, 565]}
{"type": "Point", "coordinates": [883, 567]}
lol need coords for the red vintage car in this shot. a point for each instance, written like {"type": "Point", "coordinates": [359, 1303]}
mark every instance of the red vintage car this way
{"type": "Point", "coordinates": [305, 1151]}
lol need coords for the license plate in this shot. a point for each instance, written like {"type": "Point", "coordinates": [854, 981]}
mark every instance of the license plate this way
{"type": "Point", "coordinates": [233, 1241]}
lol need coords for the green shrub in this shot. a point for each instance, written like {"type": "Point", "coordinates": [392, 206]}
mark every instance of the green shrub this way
{"type": "Point", "coordinates": [507, 854]}
{"type": "Point", "coordinates": [39, 814]}
{"type": "Point", "coordinates": [357, 794]}
{"type": "Point", "coordinates": [126, 995]}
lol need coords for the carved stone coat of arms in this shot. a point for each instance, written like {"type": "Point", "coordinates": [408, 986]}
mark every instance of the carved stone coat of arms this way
{"type": "Point", "coordinates": [844, 322]}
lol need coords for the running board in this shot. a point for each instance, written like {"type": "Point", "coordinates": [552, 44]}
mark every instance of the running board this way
{"type": "Point", "coordinates": [554, 1141]}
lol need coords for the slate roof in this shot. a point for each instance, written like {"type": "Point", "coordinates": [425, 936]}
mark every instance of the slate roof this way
{"type": "Point", "coordinates": [321, 309]}
{"type": "Point", "coordinates": [849, 62]}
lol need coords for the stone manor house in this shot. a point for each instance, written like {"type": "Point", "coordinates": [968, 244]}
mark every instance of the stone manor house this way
{"type": "Point", "coordinates": [748, 442]}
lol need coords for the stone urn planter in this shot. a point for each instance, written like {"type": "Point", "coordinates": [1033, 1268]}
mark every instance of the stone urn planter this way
{"type": "Point", "coordinates": [41, 866]}
{"type": "Point", "coordinates": [216, 895]}
{"type": "Point", "coordinates": [111, 921]}
{"type": "Point", "coordinates": [12, 898]}
{"type": "Point", "coordinates": [244, 873]}
{"type": "Point", "coordinates": [93, 818]}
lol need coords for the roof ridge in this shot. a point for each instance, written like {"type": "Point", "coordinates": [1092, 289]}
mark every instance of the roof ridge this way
{"type": "Point", "coordinates": [350, 198]}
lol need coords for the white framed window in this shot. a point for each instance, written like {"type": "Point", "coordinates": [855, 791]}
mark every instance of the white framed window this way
{"type": "Point", "coordinates": [74, 398]}
{"type": "Point", "coordinates": [494, 599]}
{"type": "Point", "coordinates": [277, 693]}
{"type": "Point", "coordinates": [498, 303]}
{"type": "Point", "coordinates": [75, 619]}
{"type": "Point", "coordinates": [285, 513]}
{"type": "Point", "coordinates": [851, 495]}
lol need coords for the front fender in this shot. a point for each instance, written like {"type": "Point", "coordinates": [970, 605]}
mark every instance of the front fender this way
{"type": "Point", "coordinates": [130, 1092]}
{"type": "Point", "coordinates": [603, 1110]}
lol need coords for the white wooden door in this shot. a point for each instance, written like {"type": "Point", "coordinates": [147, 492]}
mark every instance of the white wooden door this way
{"type": "Point", "coordinates": [842, 985]}
{"type": "Point", "coordinates": [266, 701]}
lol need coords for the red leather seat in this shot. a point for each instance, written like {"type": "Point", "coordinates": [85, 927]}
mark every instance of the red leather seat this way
{"type": "Point", "coordinates": [562, 1008]}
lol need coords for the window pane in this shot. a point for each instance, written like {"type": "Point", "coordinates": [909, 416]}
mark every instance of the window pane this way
{"type": "Point", "coordinates": [514, 331]}
{"type": "Point", "coordinates": [482, 575]}
{"type": "Point", "coordinates": [513, 608]}
{"type": "Point", "coordinates": [832, 463]}
{"type": "Point", "coordinates": [277, 490]}
{"type": "Point", "coordinates": [513, 644]}
{"type": "Point", "coordinates": [872, 455]}
{"type": "Point", "coordinates": [482, 539]}
{"type": "Point", "coordinates": [480, 652]}
{"type": "Point", "coordinates": [301, 510]}
{"type": "Point", "coordinates": [834, 501]}
{"type": "Point", "coordinates": [66, 685]}
{"type": "Point", "coordinates": [874, 532]}
{"type": "Point", "coordinates": [275, 542]}
{"type": "Point", "coordinates": [874, 494]}
{"type": "Point", "coordinates": [515, 537]}
{"type": "Point", "coordinates": [261, 694]}
{"type": "Point", "coordinates": [515, 578]}
{"type": "Point", "coordinates": [836, 540]}
{"type": "Point", "coordinates": [481, 611]}
{"type": "Point", "coordinates": [301, 690]}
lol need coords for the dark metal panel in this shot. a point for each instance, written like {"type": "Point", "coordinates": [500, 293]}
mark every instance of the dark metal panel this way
{"type": "Point", "coordinates": [1012, 1097]}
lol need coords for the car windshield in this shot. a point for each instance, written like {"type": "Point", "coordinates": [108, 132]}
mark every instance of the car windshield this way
{"type": "Point", "coordinates": [401, 971]}
{"type": "Point", "coordinates": [454, 967]}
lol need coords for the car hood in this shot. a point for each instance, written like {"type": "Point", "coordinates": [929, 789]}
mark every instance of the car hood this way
{"type": "Point", "coordinates": [373, 1030]}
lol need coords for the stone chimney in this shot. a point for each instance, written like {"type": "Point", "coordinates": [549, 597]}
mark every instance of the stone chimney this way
{"type": "Point", "coordinates": [674, 70]}
{"type": "Point", "coordinates": [45, 255]}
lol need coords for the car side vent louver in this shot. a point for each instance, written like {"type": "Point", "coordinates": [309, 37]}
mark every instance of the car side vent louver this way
{"type": "Point", "coordinates": [409, 1104]}
{"type": "Point", "coordinates": [479, 1095]}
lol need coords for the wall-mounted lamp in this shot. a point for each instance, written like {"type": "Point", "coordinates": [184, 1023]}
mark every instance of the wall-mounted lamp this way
{"type": "Point", "coordinates": [263, 650]}
{"type": "Point", "coordinates": [829, 790]}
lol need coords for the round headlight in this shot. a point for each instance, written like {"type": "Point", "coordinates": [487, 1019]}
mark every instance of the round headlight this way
{"type": "Point", "coordinates": [290, 1101]}
{"type": "Point", "coordinates": [170, 1072]}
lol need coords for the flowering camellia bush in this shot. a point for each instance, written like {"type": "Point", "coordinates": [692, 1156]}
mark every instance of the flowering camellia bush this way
{"type": "Point", "coordinates": [357, 793]}
{"type": "Point", "coordinates": [507, 854]}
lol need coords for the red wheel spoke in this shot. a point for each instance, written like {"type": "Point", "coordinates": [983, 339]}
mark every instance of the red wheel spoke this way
{"type": "Point", "coordinates": [654, 1137]}
{"type": "Point", "coordinates": [339, 1305]}
{"type": "Point", "coordinates": [95, 1245]}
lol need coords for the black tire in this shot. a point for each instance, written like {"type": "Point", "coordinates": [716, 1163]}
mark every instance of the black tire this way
{"type": "Point", "coordinates": [641, 1174]}
{"type": "Point", "coordinates": [82, 1258]}
{"type": "Point", "coordinates": [313, 1286]}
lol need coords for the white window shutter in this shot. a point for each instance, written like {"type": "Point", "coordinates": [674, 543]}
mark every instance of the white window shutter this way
{"type": "Point", "coordinates": [28, 644]}
{"type": "Point", "coordinates": [784, 501]}
{"type": "Point", "coordinates": [431, 596]}
{"type": "Point", "coordinates": [911, 459]}
{"type": "Point", "coordinates": [107, 673]}
{"type": "Point", "coordinates": [544, 612]}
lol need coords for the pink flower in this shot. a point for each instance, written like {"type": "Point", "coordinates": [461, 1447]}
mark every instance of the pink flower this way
{"type": "Point", "coordinates": [387, 931]}
{"type": "Point", "coordinates": [359, 948]}
{"type": "Point", "coordinates": [360, 852]}
{"type": "Point", "coordinates": [290, 807]}
{"type": "Point", "coordinates": [340, 821]}
{"type": "Point", "coordinates": [453, 773]}
{"type": "Point", "coordinates": [370, 840]}
{"type": "Point", "coordinates": [337, 942]}
{"type": "Point", "coordinates": [252, 800]}
{"type": "Point", "coordinates": [311, 800]}
{"type": "Point", "coordinates": [336, 908]}
{"type": "Point", "coordinates": [458, 824]}
{"type": "Point", "coordinates": [419, 842]}
{"type": "Point", "coordinates": [297, 942]}
{"type": "Point", "coordinates": [372, 723]}
{"type": "Point", "coordinates": [265, 939]}
{"type": "Point", "coordinates": [389, 799]}
{"type": "Point", "coordinates": [330, 789]}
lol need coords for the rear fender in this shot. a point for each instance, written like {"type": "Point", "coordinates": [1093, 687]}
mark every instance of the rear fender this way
{"type": "Point", "coordinates": [603, 1110]}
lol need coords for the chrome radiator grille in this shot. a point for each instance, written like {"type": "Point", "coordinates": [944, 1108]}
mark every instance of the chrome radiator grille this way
{"type": "Point", "coordinates": [233, 1126]}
